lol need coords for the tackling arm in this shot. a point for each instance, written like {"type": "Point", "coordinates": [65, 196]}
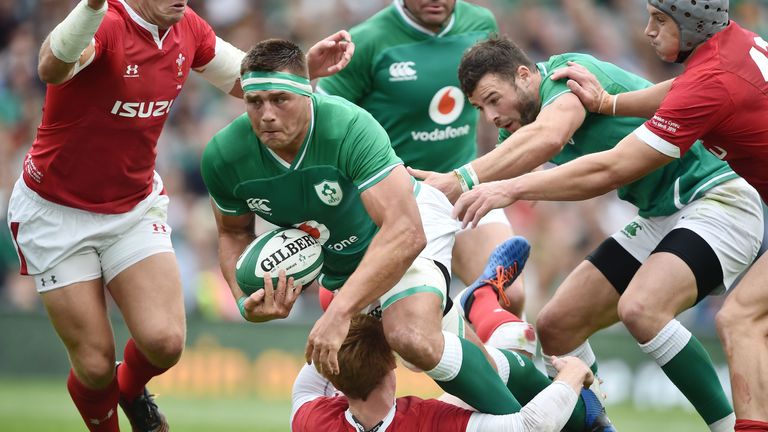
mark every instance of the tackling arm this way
{"type": "Point", "coordinates": [639, 103]}
{"type": "Point", "coordinates": [533, 144]}
{"type": "Point", "coordinates": [583, 178]}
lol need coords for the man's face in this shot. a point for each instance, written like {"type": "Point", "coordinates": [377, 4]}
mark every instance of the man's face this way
{"type": "Point", "coordinates": [431, 13]}
{"type": "Point", "coordinates": [505, 103]}
{"type": "Point", "coordinates": [163, 13]}
{"type": "Point", "coordinates": [278, 117]}
{"type": "Point", "coordinates": [663, 33]}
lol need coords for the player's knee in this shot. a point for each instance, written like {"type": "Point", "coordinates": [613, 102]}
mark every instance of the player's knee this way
{"type": "Point", "coordinates": [164, 348]}
{"type": "Point", "coordinates": [734, 319]}
{"type": "Point", "coordinates": [95, 368]}
{"type": "Point", "coordinates": [635, 315]}
{"type": "Point", "coordinates": [549, 326]}
{"type": "Point", "coordinates": [415, 347]}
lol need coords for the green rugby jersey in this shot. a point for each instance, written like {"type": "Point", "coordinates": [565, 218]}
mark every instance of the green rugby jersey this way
{"type": "Point", "coordinates": [406, 76]}
{"type": "Point", "coordinates": [660, 193]}
{"type": "Point", "coordinates": [344, 153]}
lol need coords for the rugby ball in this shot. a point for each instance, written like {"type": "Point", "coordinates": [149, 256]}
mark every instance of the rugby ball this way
{"type": "Point", "coordinates": [289, 249]}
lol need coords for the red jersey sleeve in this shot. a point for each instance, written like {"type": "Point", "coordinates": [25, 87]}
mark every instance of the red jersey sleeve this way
{"type": "Point", "coordinates": [206, 40]}
{"type": "Point", "coordinates": [687, 113]}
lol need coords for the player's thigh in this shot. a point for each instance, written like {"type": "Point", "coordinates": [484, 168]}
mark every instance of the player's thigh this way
{"type": "Point", "coordinates": [142, 275]}
{"type": "Point", "coordinates": [747, 305]}
{"type": "Point", "coordinates": [474, 246]}
{"type": "Point", "coordinates": [729, 219]}
{"type": "Point", "coordinates": [78, 313]}
{"type": "Point", "coordinates": [412, 310]}
{"type": "Point", "coordinates": [583, 303]}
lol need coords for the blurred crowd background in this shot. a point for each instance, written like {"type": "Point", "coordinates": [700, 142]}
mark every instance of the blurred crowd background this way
{"type": "Point", "coordinates": [562, 234]}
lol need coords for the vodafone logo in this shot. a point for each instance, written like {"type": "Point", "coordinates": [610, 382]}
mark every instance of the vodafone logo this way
{"type": "Point", "coordinates": [446, 105]}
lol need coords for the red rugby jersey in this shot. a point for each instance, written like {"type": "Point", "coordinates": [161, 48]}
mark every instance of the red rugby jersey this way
{"type": "Point", "coordinates": [96, 146]}
{"type": "Point", "coordinates": [412, 414]}
{"type": "Point", "coordinates": [721, 97]}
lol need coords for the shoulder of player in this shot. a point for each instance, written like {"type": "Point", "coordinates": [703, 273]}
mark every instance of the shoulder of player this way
{"type": "Point", "coordinates": [474, 17]}
{"type": "Point", "coordinates": [371, 32]}
{"type": "Point", "coordinates": [226, 144]}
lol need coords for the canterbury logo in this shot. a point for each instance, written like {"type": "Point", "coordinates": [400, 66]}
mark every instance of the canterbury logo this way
{"type": "Point", "coordinates": [402, 71]}
{"type": "Point", "coordinates": [259, 205]}
{"type": "Point", "coordinates": [141, 109]}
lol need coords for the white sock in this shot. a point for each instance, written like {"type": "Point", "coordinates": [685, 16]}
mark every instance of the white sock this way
{"type": "Point", "coordinates": [502, 364]}
{"type": "Point", "coordinates": [450, 362]}
{"type": "Point", "coordinates": [583, 352]}
{"type": "Point", "coordinates": [727, 424]}
{"type": "Point", "coordinates": [668, 343]}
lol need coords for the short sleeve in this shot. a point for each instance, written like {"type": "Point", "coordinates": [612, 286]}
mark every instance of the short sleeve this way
{"type": "Point", "coordinates": [688, 112]}
{"type": "Point", "coordinates": [216, 179]}
{"type": "Point", "coordinates": [205, 40]}
{"type": "Point", "coordinates": [107, 37]}
{"type": "Point", "coordinates": [367, 152]}
{"type": "Point", "coordinates": [353, 82]}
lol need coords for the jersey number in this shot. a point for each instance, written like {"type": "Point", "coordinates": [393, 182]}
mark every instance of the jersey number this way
{"type": "Point", "coordinates": [759, 57]}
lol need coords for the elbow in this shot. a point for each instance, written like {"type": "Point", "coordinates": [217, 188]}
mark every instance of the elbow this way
{"type": "Point", "coordinates": [50, 75]}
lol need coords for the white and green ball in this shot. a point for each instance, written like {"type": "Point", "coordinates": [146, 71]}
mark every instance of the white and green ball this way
{"type": "Point", "coordinates": [289, 249]}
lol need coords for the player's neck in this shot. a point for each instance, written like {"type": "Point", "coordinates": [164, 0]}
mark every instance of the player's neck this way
{"type": "Point", "coordinates": [375, 408]}
{"type": "Point", "coordinates": [145, 15]}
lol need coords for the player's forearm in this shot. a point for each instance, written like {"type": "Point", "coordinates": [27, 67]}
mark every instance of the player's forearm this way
{"type": "Point", "coordinates": [66, 43]}
{"type": "Point", "coordinates": [584, 178]}
{"type": "Point", "coordinates": [547, 412]}
{"type": "Point", "coordinates": [639, 103]}
{"type": "Point", "coordinates": [523, 151]}
{"type": "Point", "coordinates": [389, 255]}
{"type": "Point", "coordinates": [231, 245]}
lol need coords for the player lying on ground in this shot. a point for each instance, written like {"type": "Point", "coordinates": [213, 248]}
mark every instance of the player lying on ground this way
{"type": "Point", "coordinates": [361, 397]}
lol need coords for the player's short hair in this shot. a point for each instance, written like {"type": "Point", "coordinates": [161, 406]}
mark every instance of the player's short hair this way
{"type": "Point", "coordinates": [497, 55]}
{"type": "Point", "coordinates": [273, 55]}
{"type": "Point", "coordinates": [365, 358]}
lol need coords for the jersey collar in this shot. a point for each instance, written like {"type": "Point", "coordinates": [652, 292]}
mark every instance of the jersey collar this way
{"type": "Point", "coordinates": [385, 423]}
{"type": "Point", "coordinates": [420, 28]}
{"type": "Point", "coordinates": [304, 145]}
{"type": "Point", "coordinates": [146, 25]}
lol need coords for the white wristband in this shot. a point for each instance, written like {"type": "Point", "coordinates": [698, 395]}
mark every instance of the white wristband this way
{"type": "Point", "coordinates": [615, 98]}
{"type": "Point", "coordinates": [73, 35]}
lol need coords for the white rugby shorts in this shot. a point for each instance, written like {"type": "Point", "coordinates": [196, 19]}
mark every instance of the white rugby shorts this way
{"type": "Point", "coordinates": [60, 245]}
{"type": "Point", "coordinates": [729, 217]}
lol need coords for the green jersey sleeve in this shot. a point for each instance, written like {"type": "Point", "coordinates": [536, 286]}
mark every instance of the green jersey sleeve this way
{"type": "Point", "coordinates": [217, 177]}
{"type": "Point", "coordinates": [367, 152]}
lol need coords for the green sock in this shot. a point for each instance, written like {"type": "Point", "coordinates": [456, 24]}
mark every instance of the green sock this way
{"type": "Point", "coordinates": [464, 372]}
{"type": "Point", "coordinates": [526, 381]}
{"type": "Point", "coordinates": [688, 365]}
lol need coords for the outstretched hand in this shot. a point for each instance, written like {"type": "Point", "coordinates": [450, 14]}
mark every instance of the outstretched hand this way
{"type": "Point", "coordinates": [330, 55]}
{"type": "Point", "coordinates": [447, 183]}
{"type": "Point", "coordinates": [585, 86]}
{"type": "Point", "coordinates": [325, 340]}
{"type": "Point", "coordinates": [473, 205]}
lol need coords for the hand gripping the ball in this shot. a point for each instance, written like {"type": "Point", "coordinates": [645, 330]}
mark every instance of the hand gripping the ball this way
{"type": "Point", "coordinates": [270, 303]}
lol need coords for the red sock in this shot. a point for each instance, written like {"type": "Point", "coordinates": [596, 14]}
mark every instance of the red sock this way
{"type": "Point", "coordinates": [486, 315]}
{"type": "Point", "coordinates": [97, 407]}
{"type": "Point", "coordinates": [751, 426]}
{"type": "Point", "coordinates": [135, 372]}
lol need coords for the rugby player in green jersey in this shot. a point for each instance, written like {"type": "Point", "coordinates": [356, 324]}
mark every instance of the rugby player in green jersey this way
{"type": "Point", "coordinates": [324, 165]}
{"type": "Point", "coordinates": [404, 73]}
{"type": "Point", "coordinates": [699, 225]}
